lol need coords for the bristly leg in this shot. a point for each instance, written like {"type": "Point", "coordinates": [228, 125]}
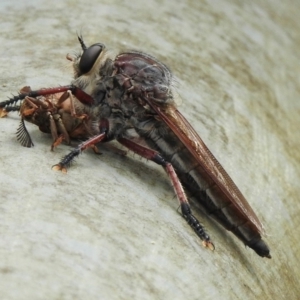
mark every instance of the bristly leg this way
{"type": "Point", "coordinates": [5, 110]}
{"type": "Point", "coordinates": [11, 101]}
{"type": "Point", "coordinates": [78, 93]}
{"type": "Point", "coordinates": [11, 108]}
{"type": "Point", "coordinates": [67, 160]}
{"type": "Point", "coordinates": [195, 224]}
{"type": "Point", "coordinates": [185, 206]}
{"type": "Point", "coordinates": [9, 105]}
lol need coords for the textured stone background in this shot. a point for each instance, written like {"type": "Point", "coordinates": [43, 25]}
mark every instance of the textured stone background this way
{"type": "Point", "coordinates": [109, 229]}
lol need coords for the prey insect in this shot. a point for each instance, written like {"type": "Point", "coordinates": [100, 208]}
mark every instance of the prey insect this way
{"type": "Point", "coordinates": [59, 114]}
{"type": "Point", "coordinates": [134, 91]}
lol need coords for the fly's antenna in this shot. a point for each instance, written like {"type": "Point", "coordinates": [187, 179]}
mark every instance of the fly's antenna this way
{"type": "Point", "coordinates": [80, 39]}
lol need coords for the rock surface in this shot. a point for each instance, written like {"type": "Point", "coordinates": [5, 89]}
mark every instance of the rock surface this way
{"type": "Point", "coordinates": [109, 229]}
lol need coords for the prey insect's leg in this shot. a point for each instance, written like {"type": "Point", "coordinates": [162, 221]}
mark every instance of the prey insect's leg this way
{"type": "Point", "coordinates": [62, 165]}
{"type": "Point", "coordinates": [64, 133]}
{"type": "Point", "coordinates": [185, 206]}
{"type": "Point", "coordinates": [53, 129]}
{"type": "Point", "coordinates": [73, 112]}
{"type": "Point", "coordinates": [67, 95]}
{"type": "Point", "coordinates": [58, 118]}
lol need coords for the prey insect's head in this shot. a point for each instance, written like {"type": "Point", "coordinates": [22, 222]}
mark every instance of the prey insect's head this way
{"type": "Point", "coordinates": [89, 59]}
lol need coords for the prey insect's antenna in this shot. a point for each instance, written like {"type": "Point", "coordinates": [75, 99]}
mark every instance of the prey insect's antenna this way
{"type": "Point", "coordinates": [23, 135]}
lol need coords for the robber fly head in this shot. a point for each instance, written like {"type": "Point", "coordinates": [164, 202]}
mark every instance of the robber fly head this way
{"type": "Point", "coordinates": [89, 60]}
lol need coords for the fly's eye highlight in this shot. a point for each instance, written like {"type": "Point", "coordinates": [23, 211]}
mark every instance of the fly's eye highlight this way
{"type": "Point", "coordinates": [89, 57]}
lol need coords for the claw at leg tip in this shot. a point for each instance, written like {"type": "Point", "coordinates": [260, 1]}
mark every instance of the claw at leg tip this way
{"type": "Point", "coordinates": [209, 245]}
{"type": "Point", "coordinates": [59, 167]}
{"type": "Point", "coordinates": [3, 112]}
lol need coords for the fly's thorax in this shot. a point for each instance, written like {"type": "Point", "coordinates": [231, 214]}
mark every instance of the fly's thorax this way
{"type": "Point", "coordinates": [143, 76]}
{"type": "Point", "coordinates": [117, 123]}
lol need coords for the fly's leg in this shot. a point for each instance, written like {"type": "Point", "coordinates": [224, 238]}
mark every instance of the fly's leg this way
{"type": "Point", "coordinates": [5, 110]}
{"type": "Point", "coordinates": [185, 206]}
{"type": "Point", "coordinates": [78, 93]}
{"type": "Point", "coordinates": [66, 160]}
{"type": "Point", "coordinates": [10, 104]}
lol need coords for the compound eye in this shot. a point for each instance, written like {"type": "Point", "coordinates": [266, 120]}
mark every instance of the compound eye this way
{"type": "Point", "coordinates": [89, 57]}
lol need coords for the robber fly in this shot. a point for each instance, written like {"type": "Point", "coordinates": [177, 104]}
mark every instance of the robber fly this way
{"type": "Point", "coordinates": [134, 91]}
